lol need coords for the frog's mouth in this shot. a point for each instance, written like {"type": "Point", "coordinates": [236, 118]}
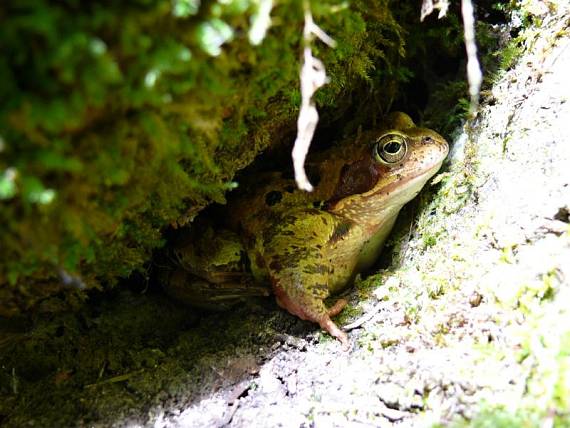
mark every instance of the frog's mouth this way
{"type": "Point", "coordinates": [405, 185]}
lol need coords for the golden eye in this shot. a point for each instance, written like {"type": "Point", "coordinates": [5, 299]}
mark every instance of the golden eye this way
{"type": "Point", "coordinates": [390, 148]}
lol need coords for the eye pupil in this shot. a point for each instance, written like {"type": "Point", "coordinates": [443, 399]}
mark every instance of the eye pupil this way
{"type": "Point", "coordinates": [392, 147]}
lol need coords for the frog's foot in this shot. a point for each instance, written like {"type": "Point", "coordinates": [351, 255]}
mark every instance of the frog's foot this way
{"type": "Point", "coordinates": [327, 324]}
{"type": "Point", "coordinates": [311, 309]}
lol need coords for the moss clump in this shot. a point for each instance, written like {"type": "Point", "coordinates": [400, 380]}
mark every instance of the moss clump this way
{"type": "Point", "coordinates": [118, 120]}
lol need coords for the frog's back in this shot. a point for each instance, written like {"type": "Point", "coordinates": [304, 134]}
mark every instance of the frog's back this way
{"type": "Point", "coordinates": [270, 195]}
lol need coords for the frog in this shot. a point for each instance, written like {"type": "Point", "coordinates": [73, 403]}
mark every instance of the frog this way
{"type": "Point", "coordinates": [305, 247]}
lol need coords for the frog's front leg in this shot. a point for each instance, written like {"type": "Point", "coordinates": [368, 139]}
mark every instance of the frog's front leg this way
{"type": "Point", "coordinates": [296, 254]}
{"type": "Point", "coordinates": [311, 309]}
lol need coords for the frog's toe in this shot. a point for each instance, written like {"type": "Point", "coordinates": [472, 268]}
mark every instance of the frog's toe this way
{"type": "Point", "coordinates": [327, 324]}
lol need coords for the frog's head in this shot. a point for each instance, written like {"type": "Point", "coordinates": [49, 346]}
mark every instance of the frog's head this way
{"type": "Point", "coordinates": [388, 168]}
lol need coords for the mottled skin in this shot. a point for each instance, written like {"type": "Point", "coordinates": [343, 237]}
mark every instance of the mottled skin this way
{"type": "Point", "coordinates": [309, 245]}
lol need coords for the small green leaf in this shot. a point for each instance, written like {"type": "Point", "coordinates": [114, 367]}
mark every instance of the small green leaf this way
{"type": "Point", "coordinates": [7, 184]}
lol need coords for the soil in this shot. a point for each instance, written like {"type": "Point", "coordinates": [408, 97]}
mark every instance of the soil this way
{"type": "Point", "coordinates": [468, 324]}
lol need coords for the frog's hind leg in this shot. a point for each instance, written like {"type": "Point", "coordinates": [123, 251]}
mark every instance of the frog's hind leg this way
{"type": "Point", "coordinates": [212, 271]}
{"type": "Point", "coordinates": [194, 291]}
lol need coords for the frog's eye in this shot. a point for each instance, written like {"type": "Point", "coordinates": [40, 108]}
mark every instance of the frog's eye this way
{"type": "Point", "coordinates": [390, 148]}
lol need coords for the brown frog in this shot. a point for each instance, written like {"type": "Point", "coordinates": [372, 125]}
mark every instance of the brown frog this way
{"type": "Point", "coordinates": [310, 245]}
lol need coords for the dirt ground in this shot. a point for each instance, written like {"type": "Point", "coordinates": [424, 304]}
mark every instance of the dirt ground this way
{"type": "Point", "coordinates": [468, 326]}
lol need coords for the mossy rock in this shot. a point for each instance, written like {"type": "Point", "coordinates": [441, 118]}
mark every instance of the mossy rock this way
{"type": "Point", "coordinates": [117, 121]}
